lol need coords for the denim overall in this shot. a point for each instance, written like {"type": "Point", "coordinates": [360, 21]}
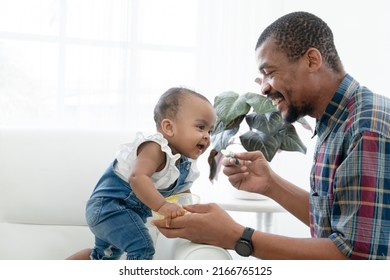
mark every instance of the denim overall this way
{"type": "Point", "coordinates": [117, 217]}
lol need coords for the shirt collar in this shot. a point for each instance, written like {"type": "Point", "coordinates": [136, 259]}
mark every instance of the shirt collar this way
{"type": "Point", "coordinates": [336, 106]}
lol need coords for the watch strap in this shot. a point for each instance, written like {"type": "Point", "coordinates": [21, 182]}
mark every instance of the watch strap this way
{"type": "Point", "coordinates": [244, 245]}
{"type": "Point", "coordinates": [247, 234]}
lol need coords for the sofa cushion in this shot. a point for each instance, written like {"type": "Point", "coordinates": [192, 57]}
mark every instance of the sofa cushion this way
{"type": "Point", "coordinates": [42, 242]}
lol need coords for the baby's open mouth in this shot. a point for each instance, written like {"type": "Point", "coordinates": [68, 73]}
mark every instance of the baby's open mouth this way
{"type": "Point", "coordinates": [200, 147]}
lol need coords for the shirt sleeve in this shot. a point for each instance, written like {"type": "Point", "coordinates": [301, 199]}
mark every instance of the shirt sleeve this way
{"type": "Point", "coordinates": [360, 215]}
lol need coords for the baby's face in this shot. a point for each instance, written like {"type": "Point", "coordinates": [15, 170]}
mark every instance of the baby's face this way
{"type": "Point", "coordinates": [192, 126]}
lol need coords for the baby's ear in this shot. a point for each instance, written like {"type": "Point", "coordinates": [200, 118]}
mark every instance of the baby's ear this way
{"type": "Point", "coordinates": [167, 127]}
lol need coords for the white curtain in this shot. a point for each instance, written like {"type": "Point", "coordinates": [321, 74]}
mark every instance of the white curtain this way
{"type": "Point", "coordinates": [102, 64]}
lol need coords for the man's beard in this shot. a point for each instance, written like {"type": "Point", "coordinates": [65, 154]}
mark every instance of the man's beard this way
{"type": "Point", "coordinates": [294, 113]}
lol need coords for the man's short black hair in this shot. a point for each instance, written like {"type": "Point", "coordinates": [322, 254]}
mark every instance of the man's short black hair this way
{"type": "Point", "coordinates": [296, 32]}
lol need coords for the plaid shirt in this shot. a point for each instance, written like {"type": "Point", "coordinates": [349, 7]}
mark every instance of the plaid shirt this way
{"type": "Point", "coordinates": [350, 177]}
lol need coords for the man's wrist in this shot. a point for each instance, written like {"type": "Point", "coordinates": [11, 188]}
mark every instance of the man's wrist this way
{"type": "Point", "coordinates": [244, 246]}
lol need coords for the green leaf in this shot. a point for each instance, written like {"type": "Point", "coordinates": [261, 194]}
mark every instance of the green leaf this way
{"type": "Point", "coordinates": [305, 124]}
{"type": "Point", "coordinates": [230, 105]}
{"type": "Point", "coordinates": [221, 140]}
{"type": "Point", "coordinates": [268, 123]}
{"type": "Point", "coordinates": [259, 103]}
{"type": "Point", "coordinates": [268, 132]}
{"type": "Point", "coordinates": [218, 127]}
{"type": "Point", "coordinates": [290, 140]}
{"type": "Point", "coordinates": [267, 144]}
{"type": "Point", "coordinates": [235, 122]}
{"type": "Point", "coordinates": [222, 134]}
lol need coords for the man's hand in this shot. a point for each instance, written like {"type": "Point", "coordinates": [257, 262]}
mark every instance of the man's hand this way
{"type": "Point", "coordinates": [207, 223]}
{"type": "Point", "coordinates": [252, 174]}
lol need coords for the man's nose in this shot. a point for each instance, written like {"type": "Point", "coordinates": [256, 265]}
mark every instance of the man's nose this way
{"type": "Point", "coordinates": [265, 86]}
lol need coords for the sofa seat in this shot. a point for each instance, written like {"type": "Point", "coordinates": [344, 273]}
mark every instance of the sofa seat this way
{"type": "Point", "coordinates": [46, 177]}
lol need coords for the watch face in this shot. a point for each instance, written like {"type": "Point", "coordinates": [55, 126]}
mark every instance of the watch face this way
{"type": "Point", "coordinates": [243, 248]}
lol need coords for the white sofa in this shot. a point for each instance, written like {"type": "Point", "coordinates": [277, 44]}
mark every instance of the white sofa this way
{"type": "Point", "coordinates": [46, 176]}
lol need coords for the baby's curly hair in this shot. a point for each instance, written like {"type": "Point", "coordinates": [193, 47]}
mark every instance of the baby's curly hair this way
{"type": "Point", "coordinates": [296, 32]}
{"type": "Point", "coordinates": [169, 103]}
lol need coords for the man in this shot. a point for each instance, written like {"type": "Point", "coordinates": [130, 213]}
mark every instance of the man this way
{"type": "Point", "coordinates": [348, 206]}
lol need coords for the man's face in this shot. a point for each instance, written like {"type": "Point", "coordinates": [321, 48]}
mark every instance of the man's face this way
{"type": "Point", "coordinates": [283, 81]}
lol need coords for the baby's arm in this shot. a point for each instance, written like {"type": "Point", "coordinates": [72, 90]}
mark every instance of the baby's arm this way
{"type": "Point", "coordinates": [151, 159]}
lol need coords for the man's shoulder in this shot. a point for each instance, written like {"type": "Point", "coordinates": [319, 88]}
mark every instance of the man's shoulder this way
{"type": "Point", "coordinates": [370, 111]}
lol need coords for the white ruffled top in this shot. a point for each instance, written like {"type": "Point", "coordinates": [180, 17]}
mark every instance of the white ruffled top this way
{"type": "Point", "coordinates": [127, 155]}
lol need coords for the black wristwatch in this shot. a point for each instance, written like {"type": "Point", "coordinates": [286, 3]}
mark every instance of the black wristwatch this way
{"type": "Point", "coordinates": [244, 245]}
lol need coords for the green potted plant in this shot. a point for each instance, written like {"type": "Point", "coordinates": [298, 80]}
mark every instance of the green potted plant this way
{"type": "Point", "coordinates": [267, 131]}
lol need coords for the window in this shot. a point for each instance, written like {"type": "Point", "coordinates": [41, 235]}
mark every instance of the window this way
{"type": "Point", "coordinates": [103, 64]}
{"type": "Point", "coordinates": [99, 63]}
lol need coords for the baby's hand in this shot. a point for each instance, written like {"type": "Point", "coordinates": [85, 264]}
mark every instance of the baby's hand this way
{"type": "Point", "coordinates": [170, 211]}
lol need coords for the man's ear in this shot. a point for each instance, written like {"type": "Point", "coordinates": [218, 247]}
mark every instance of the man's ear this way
{"type": "Point", "coordinates": [167, 127]}
{"type": "Point", "coordinates": [314, 59]}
